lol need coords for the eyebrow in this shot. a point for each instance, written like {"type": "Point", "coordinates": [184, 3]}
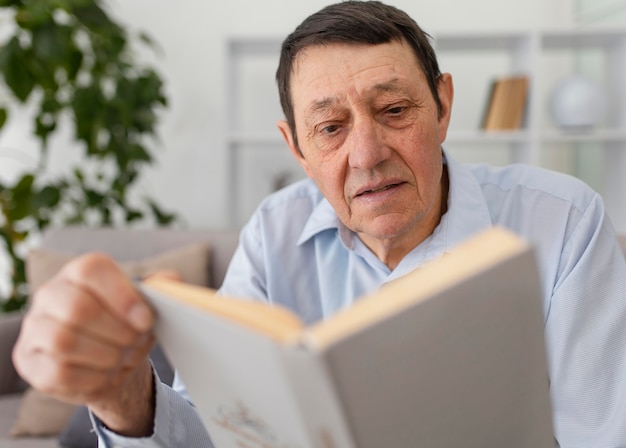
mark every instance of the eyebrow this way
{"type": "Point", "coordinates": [319, 107]}
{"type": "Point", "coordinates": [394, 85]}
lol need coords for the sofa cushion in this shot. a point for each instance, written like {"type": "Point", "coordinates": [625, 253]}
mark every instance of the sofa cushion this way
{"type": "Point", "coordinates": [192, 262]}
{"type": "Point", "coordinates": [9, 329]}
{"type": "Point", "coordinates": [40, 415]}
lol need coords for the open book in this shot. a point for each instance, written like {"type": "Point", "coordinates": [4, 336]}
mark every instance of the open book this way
{"type": "Point", "coordinates": [450, 355]}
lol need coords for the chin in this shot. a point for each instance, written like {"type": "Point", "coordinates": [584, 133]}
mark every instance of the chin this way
{"type": "Point", "coordinates": [387, 227]}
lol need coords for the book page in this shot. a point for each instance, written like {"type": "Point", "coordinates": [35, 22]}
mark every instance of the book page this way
{"type": "Point", "coordinates": [234, 375]}
{"type": "Point", "coordinates": [276, 322]}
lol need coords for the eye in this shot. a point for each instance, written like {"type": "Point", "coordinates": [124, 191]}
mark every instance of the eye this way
{"type": "Point", "coordinates": [396, 110]}
{"type": "Point", "coordinates": [330, 129]}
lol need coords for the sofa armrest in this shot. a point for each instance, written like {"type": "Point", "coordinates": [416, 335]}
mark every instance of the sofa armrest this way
{"type": "Point", "coordinates": [10, 381]}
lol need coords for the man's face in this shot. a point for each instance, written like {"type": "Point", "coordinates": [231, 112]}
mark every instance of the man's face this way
{"type": "Point", "coordinates": [370, 136]}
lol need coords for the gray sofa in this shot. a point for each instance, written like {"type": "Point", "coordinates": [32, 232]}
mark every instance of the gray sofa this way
{"type": "Point", "coordinates": [125, 245]}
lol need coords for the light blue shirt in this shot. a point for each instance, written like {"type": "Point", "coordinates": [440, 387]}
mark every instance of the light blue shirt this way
{"type": "Point", "coordinates": [294, 251]}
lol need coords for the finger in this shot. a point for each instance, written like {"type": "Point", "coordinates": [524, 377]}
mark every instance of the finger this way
{"type": "Point", "coordinates": [166, 273]}
{"type": "Point", "coordinates": [99, 275]}
{"type": "Point", "coordinates": [74, 306]}
{"type": "Point", "coordinates": [48, 374]}
{"type": "Point", "coordinates": [72, 346]}
{"type": "Point", "coordinates": [76, 382]}
{"type": "Point", "coordinates": [70, 382]}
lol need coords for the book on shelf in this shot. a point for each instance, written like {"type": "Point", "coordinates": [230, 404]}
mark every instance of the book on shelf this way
{"type": "Point", "coordinates": [506, 105]}
{"type": "Point", "coordinates": [450, 355]}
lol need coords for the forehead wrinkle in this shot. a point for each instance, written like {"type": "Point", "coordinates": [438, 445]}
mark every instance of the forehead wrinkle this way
{"type": "Point", "coordinates": [392, 86]}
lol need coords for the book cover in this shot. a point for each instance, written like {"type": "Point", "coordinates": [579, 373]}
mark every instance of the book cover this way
{"type": "Point", "coordinates": [450, 355]}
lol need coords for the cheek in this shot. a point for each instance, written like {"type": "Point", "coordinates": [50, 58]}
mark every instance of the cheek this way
{"type": "Point", "coordinates": [330, 176]}
{"type": "Point", "coordinates": [424, 158]}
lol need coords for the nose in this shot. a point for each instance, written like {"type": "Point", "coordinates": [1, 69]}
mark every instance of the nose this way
{"type": "Point", "coordinates": [366, 145]}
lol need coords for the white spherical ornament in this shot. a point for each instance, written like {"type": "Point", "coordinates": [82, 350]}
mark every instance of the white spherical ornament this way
{"type": "Point", "coordinates": [577, 102]}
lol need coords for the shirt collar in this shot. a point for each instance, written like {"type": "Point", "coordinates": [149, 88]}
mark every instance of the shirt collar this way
{"type": "Point", "coordinates": [467, 214]}
{"type": "Point", "coordinates": [322, 218]}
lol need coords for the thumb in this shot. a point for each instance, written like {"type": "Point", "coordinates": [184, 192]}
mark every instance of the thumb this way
{"type": "Point", "coordinates": [101, 277]}
{"type": "Point", "coordinates": [169, 274]}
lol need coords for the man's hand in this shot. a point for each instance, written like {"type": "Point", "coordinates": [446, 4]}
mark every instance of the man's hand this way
{"type": "Point", "coordinates": [86, 339]}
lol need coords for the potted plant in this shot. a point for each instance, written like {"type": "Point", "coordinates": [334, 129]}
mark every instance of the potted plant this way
{"type": "Point", "coordinates": [74, 65]}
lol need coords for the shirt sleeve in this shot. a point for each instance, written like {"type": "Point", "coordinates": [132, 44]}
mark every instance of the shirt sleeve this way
{"type": "Point", "coordinates": [176, 424]}
{"type": "Point", "coordinates": [586, 337]}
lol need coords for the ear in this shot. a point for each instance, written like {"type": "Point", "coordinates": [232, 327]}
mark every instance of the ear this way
{"type": "Point", "coordinates": [285, 130]}
{"type": "Point", "coordinates": [445, 88]}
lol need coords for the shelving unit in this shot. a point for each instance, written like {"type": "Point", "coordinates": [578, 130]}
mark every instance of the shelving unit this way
{"type": "Point", "coordinates": [258, 156]}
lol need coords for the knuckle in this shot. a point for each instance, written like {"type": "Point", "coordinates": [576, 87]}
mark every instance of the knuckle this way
{"type": "Point", "coordinates": [126, 338]}
{"type": "Point", "coordinates": [89, 265]}
{"type": "Point", "coordinates": [81, 310]}
{"type": "Point", "coordinates": [62, 341]}
{"type": "Point", "coordinates": [108, 357]}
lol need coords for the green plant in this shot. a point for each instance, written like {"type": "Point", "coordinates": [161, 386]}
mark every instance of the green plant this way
{"type": "Point", "coordinates": [74, 64]}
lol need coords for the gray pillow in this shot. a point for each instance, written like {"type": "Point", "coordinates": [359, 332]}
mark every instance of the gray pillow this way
{"type": "Point", "coordinates": [10, 382]}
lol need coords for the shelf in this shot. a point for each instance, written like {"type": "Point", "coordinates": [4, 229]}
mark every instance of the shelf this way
{"type": "Point", "coordinates": [580, 39]}
{"type": "Point", "coordinates": [478, 136]}
{"type": "Point", "coordinates": [583, 136]}
{"type": "Point", "coordinates": [478, 41]}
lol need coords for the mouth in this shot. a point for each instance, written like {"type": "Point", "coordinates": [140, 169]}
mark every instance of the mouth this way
{"type": "Point", "coordinates": [377, 189]}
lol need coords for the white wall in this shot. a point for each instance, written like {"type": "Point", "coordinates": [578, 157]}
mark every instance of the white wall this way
{"type": "Point", "coordinates": [190, 177]}
{"type": "Point", "coordinates": [600, 12]}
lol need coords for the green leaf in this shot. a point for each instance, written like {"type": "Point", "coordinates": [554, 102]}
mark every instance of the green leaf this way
{"type": "Point", "coordinates": [163, 218]}
{"type": "Point", "coordinates": [88, 106]}
{"type": "Point", "coordinates": [133, 215]}
{"type": "Point", "coordinates": [94, 198]}
{"type": "Point", "coordinates": [48, 197]}
{"type": "Point", "coordinates": [51, 42]}
{"type": "Point", "coordinates": [25, 184]}
{"type": "Point", "coordinates": [13, 65]}
{"type": "Point", "coordinates": [138, 153]}
{"type": "Point", "coordinates": [20, 198]}
{"type": "Point", "coordinates": [146, 39]}
{"type": "Point", "coordinates": [3, 116]}
{"type": "Point", "coordinates": [14, 303]}
{"type": "Point", "coordinates": [92, 16]}
{"type": "Point", "coordinates": [33, 14]}
{"type": "Point", "coordinates": [4, 3]}
{"type": "Point", "coordinates": [79, 175]}
{"type": "Point", "coordinates": [73, 63]}
{"type": "Point", "coordinates": [18, 211]}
